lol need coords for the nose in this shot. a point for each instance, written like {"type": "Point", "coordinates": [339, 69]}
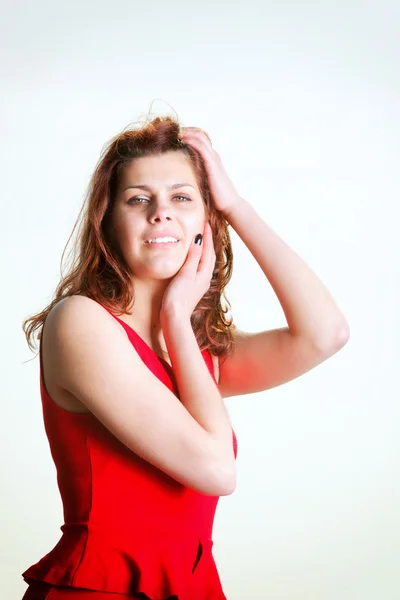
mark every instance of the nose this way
{"type": "Point", "coordinates": [160, 211]}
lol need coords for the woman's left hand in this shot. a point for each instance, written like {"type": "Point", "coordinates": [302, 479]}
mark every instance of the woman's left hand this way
{"type": "Point", "coordinates": [224, 194]}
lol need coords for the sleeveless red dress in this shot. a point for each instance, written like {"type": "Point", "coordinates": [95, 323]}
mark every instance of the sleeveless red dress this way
{"type": "Point", "coordinates": [128, 527]}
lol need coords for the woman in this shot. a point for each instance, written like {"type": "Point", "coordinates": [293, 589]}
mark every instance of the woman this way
{"type": "Point", "coordinates": [136, 356]}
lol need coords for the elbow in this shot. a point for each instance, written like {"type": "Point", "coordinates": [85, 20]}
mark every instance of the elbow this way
{"type": "Point", "coordinates": [229, 488]}
{"type": "Point", "coordinates": [230, 484]}
{"type": "Point", "coordinates": [333, 343]}
{"type": "Point", "coordinates": [344, 335]}
{"type": "Point", "coordinates": [225, 480]}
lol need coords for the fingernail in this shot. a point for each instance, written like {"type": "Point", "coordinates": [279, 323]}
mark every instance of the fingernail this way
{"type": "Point", "coordinates": [198, 239]}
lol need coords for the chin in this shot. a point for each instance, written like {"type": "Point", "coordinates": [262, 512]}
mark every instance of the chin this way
{"type": "Point", "coordinates": [161, 273]}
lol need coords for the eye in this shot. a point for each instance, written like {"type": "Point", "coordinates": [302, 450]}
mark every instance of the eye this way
{"type": "Point", "coordinates": [184, 197]}
{"type": "Point", "coordinates": [136, 199]}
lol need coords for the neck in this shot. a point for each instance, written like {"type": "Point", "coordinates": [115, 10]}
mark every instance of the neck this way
{"type": "Point", "coordinates": [145, 308]}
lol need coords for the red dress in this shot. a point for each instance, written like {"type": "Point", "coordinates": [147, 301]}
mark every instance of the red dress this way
{"type": "Point", "coordinates": [128, 527]}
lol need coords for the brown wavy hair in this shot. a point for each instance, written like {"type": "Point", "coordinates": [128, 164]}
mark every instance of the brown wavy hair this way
{"type": "Point", "coordinates": [98, 269]}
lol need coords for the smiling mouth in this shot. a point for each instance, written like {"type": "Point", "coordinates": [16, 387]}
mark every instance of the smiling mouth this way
{"type": "Point", "coordinates": [162, 244]}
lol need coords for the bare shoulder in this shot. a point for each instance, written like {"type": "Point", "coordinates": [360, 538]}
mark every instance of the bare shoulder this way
{"type": "Point", "coordinates": [73, 309]}
{"type": "Point", "coordinates": [65, 314]}
{"type": "Point", "coordinates": [73, 314]}
{"type": "Point", "coordinates": [68, 305]}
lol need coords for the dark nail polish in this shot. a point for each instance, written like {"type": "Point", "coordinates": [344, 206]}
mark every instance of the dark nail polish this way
{"type": "Point", "coordinates": [198, 239]}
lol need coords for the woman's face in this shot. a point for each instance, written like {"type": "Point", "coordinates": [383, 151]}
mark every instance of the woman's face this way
{"type": "Point", "coordinates": [157, 194]}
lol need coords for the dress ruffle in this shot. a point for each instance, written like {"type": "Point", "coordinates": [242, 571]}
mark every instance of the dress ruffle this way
{"type": "Point", "coordinates": [170, 567]}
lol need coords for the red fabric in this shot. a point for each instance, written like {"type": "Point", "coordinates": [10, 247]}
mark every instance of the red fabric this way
{"type": "Point", "coordinates": [129, 528]}
{"type": "Point", "coordinates": [45, 591]}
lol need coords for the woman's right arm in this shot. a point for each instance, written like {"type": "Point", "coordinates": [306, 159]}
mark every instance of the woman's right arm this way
{"type": "Point", "coordinates": [189, 439]}
{"type": "Point", "coordinates": [198, 391]}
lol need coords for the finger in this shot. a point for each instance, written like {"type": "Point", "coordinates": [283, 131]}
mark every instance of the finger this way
{"type": "Point", "coordinates": [200, 258]}
{"type": "Point", "coordinates": [193, 257]}
{"type": "Point", "coordinates": [202, 145]}
{"type": "Point", "coordinates": [196, 132]}
{"type": "Point", "coordinates": [190, 129]}
{"type": "Point", "coordinates": [207, 259]}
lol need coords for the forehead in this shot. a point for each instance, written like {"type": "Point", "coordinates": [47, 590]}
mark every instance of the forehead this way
{"type": "Point", "coordinates": [160, 170]}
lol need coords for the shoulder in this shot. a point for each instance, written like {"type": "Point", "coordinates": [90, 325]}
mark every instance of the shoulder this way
{"type": "Point", "coordinates": [70, 308]}
{"type": "Point", "coordinates": [76, 316]}
{"type": "Point", "coordinates": [65, 321]}
{"type": "Point", "coordinates": [77, 334]}
{"type": "Point", "coordinates": [75, 301]}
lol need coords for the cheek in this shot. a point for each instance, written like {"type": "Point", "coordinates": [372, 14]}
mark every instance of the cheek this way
{"type": "Point", "coordinates": [195, 222]}
{"type": "Point", "coordinates": [127, 229]}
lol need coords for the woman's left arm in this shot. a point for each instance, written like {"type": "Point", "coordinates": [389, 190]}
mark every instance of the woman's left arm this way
{"type": "Point", "coordinates": [316, 327]}
{"type": "Point", "coordinates": [310, 310]}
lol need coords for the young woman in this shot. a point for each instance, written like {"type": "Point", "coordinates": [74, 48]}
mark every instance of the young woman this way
{"type": "Point", "coordinates": [136, 356]}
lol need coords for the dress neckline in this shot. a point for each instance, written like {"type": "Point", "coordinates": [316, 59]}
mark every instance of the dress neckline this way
{"type": "Point", "coordinates": [166, 363]}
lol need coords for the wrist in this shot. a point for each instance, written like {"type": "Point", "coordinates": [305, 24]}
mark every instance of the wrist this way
{"type": "Point", "coordinates": [174, 315]}
{"type": "Point", "coordinates": [177, 331]}
{"type": "Point", "coordinates": [234, 206]}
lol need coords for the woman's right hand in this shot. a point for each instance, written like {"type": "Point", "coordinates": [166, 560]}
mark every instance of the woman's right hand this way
{"type": "Point", "coordinates": [192, 280]}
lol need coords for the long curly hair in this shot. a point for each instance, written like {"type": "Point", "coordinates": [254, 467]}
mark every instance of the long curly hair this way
{"type": "Point", "coordinates": [98, 269]}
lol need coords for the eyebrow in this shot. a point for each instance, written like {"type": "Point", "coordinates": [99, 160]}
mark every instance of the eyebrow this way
{"type": "Point", "coordinates": [143, 186]}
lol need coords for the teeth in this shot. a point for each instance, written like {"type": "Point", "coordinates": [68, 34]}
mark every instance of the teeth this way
{"type": "Point", "coordinates": [161, 240]}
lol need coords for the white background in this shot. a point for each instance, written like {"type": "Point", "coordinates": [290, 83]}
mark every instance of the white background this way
{"type": "Point", "coordinates": [301, 100]}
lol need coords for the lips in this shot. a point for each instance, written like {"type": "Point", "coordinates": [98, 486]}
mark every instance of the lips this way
{"type": "Point", "coordinates": [162, 244]}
